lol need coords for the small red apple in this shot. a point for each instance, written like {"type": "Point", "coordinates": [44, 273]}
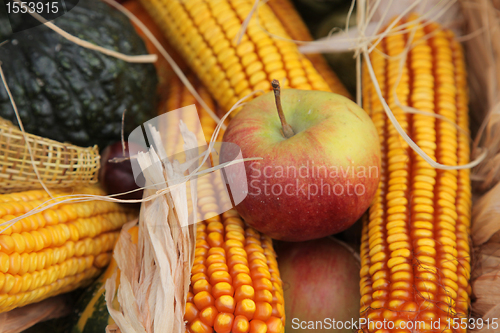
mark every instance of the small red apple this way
{"type": "Point", "coordinates": [320, 163]}
{"type": "Point", "coordinates": [320, 283]}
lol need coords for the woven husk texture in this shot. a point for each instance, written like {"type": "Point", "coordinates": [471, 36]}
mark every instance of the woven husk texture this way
{"type": "Point", "coordinates": [58, 164]}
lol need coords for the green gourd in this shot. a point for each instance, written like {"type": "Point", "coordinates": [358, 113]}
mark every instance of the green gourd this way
{"type": "Point", "coordinates": [73, 94]}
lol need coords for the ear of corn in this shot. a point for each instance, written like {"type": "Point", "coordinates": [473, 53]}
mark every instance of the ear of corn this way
{"type": "Point", "coordinates": [55, 251]}
{"type": "Point", "coordinates": [415, 246]}
{"type": "Point", "coordinates": [297, 30]}
{"type": "Point", "coordinates": [235, 282]}
{"type": "Point", "coordinates": [204, 31]}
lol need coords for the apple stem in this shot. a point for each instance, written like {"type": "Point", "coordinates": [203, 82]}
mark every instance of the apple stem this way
{"type": "Point", "coordinates": [287, 129]}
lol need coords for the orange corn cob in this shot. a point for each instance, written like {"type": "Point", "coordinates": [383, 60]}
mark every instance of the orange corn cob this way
{"type": "Point", "coordinates": [415, 245]}
{"type": "Point", "coordinates": [235, 282]}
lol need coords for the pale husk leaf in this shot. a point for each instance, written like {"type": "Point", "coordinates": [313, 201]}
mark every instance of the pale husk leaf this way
{"type": "Point", "coordinates": [155, 273]}
{"type": "Point", "coordinates": [483, 54]}
{"type": "Point", "coordinates": [483, 51]}
{"type": "Point", "coordinates": [485, 216]}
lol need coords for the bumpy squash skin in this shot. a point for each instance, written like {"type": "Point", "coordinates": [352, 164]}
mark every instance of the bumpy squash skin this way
{"type": "Point", "coordinates": [69, 93]}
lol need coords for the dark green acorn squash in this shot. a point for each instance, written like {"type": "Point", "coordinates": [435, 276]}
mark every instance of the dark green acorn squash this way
{"type": "Point", "coordinates": [69, 93]}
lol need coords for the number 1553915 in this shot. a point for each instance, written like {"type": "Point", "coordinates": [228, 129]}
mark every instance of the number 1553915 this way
{"type": "Point", "coordinates": [473, 323]}
{"type": "Point", "coordinates": [24, 7]}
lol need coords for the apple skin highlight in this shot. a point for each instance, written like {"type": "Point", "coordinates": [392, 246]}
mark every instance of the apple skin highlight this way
{"type": "Point", "coordinates": [335, 151]}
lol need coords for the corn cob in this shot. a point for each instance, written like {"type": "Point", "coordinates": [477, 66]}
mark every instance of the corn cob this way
{"type": "Point", "coordinates": [204, 31]}
{"type": "Point", "coordinates": [415, 249]}
{"type": "Point", "coordinates": [235, 282]}
{"type": "Point", "coordinates": [297, 30]}
{"type": "Point", "coordinates": [57, 250]}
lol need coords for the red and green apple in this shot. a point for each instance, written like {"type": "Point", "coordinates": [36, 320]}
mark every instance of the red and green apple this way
{"type": "Point", "coordinates": [320, 162]}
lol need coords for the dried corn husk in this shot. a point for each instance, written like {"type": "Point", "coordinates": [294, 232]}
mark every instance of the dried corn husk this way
{"type": "Point", "coordinates": [58, 164]}
{"type": "Point", "coordinates": [483, 54]}
{"type": "Point", "coordinates": [155, 273]}
{"type": "Point", "coordinates": [486, 215]}
{"type": "Point", "coordinates": [486, 269]}
{"type": "Point", "coordinates": [18, 320]}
